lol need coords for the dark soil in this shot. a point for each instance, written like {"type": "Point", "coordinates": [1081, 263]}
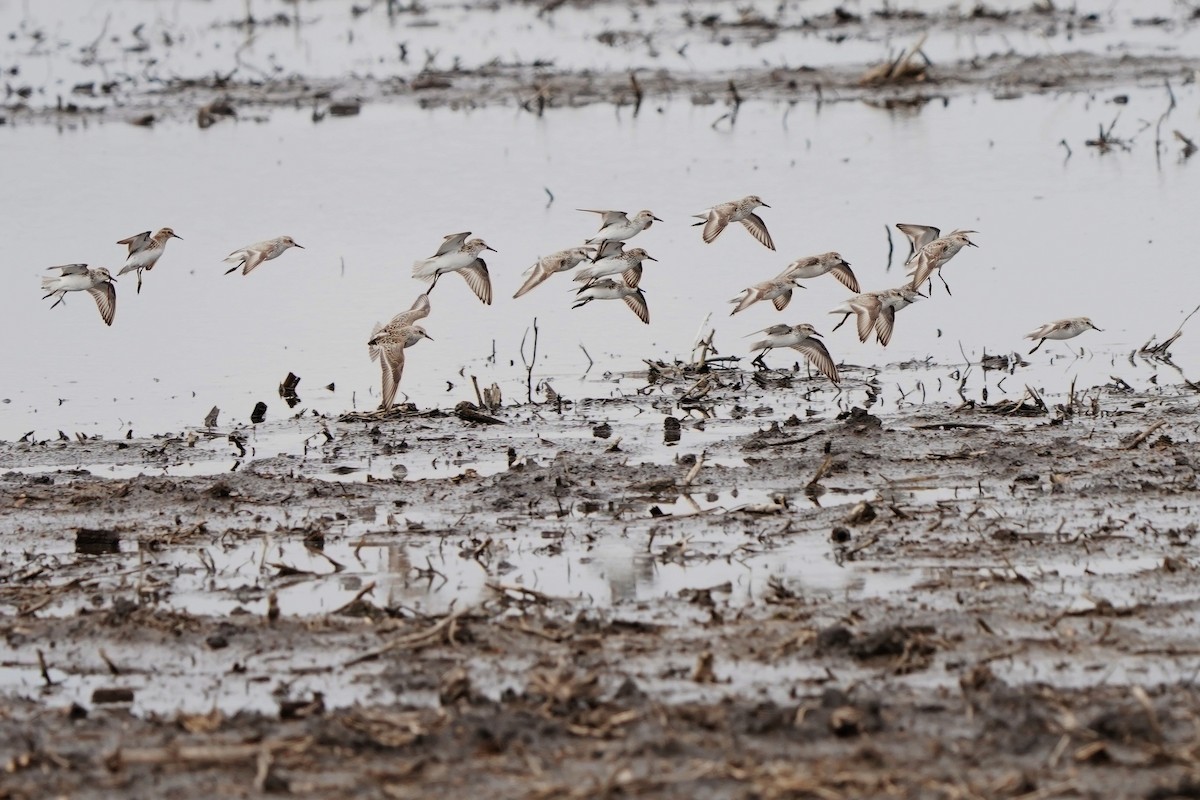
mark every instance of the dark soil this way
{"type": "Point", "coordinates": [1026, 659]}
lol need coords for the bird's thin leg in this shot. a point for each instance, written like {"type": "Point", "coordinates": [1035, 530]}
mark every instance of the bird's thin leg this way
{"type": "Point", "coordinates": [62, 299]}
{"type": "Point", "coordinates": [436, 275]}
{"type": "Point", "coordinates": [139, 288]}
{"type": "Point", "coordinates": [843, 322]}
{"type": "Point", "coordinates": [758, 360]}
{"type": "Point", "coordinates": [943, 280]}
{"type": "Point", "coordinates": [1036, 346]}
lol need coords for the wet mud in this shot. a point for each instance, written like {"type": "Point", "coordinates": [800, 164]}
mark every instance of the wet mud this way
{"type": "Point", "coordinates": [1011, 611]}
{"type": "Point", "coordinates": [1072, 50]}
{"type": "Point", "coordinates": [721, 585]}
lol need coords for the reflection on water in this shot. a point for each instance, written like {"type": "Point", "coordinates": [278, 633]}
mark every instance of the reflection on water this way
{"type": "Point", "coordinates": [234, 575]}
{"type": "Point", "coordinates": [416, 565]}
{"type": "Point", "coordinates": [837, 176]}
{"type": "Point", "coordinates": [230, 340]}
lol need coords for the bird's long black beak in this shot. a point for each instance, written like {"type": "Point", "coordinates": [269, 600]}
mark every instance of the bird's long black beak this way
{"type": "Point", "coordinates": [302, 247]}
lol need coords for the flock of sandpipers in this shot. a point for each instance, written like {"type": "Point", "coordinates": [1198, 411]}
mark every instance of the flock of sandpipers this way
{"type": "Point", "coordinates": [611, 273]}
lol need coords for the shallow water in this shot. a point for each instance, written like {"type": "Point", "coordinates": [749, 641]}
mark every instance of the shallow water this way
{"type": "Point", "coordinates": [1096, 234]}
{"type": "Point", "coordinates": [631, 574]}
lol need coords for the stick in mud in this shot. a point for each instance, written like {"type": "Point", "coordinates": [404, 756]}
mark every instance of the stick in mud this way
{"type": "Point", "coordinates": [1143, 436]}
{"type": "Point", "coordinates": [1158, 142]}
{"type": "Point", "coordinates": [530, 362]}
{"type": "Point", "coordinates": [43, 668]}
{"type": "Point", "coordinates": [416, 640]}
{"type": "Point", "coordinates": [637, 93]}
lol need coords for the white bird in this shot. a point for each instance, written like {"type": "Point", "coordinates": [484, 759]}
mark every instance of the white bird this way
{"type": "Point", "coordinates": [458, 254]}
{"type": "Point", "coordinates": [627, 264]}
{"type": "Point", "coordinates": [608, 289]}
{"type": "Point", "coordinates": [390, 347]}
{"type": "Point", "coordinates": [717, 218]}
{"type": "Point", "coordinates": [78, 278]}
{"type": "Point", "coordinates": [252, 255]}
{"type": "Point", "coordinates": [145, 250]}
{"type": "Point", "coordinates": [798, 337]}
{"type": "Point", "coordinates": [1060, 329]}
{"type": "Point", "coordinates": [417, 311]}
{"type": "Point", "coordinates": [931, 251]}
{"type": "Point", "coordinates": [615, 226]}
{"type": "Point", "coordinates": [815, 266]}
{"type": "Point", "coordinates": [778, 290]}
{"type": "Point", "coordinates": [561, 261]}
{"type": "Point", "coordinates": [876, 311]}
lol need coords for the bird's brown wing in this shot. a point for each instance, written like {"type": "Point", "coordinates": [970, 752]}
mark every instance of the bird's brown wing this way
{"type": "Point", "coordinates": [758, 229]}
{"type": "Point", "coordinates": [476, 276]}
{"type": "Point", "coordinates": [105, 296]}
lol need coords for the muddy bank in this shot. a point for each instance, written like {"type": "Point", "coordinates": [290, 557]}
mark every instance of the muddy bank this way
{"type": "Point", "coordinates": [230, 65]}
{"type": "Point", "coordinates": [540, 91]}
{"type": "Point", "coordinates": [987, 601]}
{"type": "Point", "coordinates": [563, 738]}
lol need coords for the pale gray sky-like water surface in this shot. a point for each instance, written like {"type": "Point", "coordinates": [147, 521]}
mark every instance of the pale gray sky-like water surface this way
{"type": "Point", "coordinates": [1100, 235]}
{"type": "Point", "coordinates": [1104, 235]}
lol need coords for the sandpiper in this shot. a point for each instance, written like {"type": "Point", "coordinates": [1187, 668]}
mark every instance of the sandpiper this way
{"type": "Point", "coordinates": [608, 289]}
{"type": "Point", "coordinates": [717, 218]}
{"type": "Point", "coordinates": [628, 264]}
{"type": "Point", "coordinates": [417, 311]}
{"type": "Point", "coordinates": [562, 261]}
{"type": "Point", "coordinates": [931, 251]}
{"type": "Point", "coordinates": [615, 226]}
{"type": "Point", "coordinates": [778, 290]}
{"type": "Point", "coordinates": [816, 266]}
{"type": "Point", "coordinates": [145, 250]}
{"type": "Point", "coordinates": [252, 255]}
{"type": "Point", "coordinates": [798, 337]}
{"type": "Point", "coordinates": [876, 311]}
{"type": "Point", "coordinates": [608, 249]}
{"type": "Point", "coordinates": [78, 278]}
{"type": "Point", "coordinates": [390, 347]}
{"type": "Point", "coordinates": [918, 237]}
{"type": "Point", "coordinates": [458, 254]}
{"type": "Point", "coordinates": [1060, 329]}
